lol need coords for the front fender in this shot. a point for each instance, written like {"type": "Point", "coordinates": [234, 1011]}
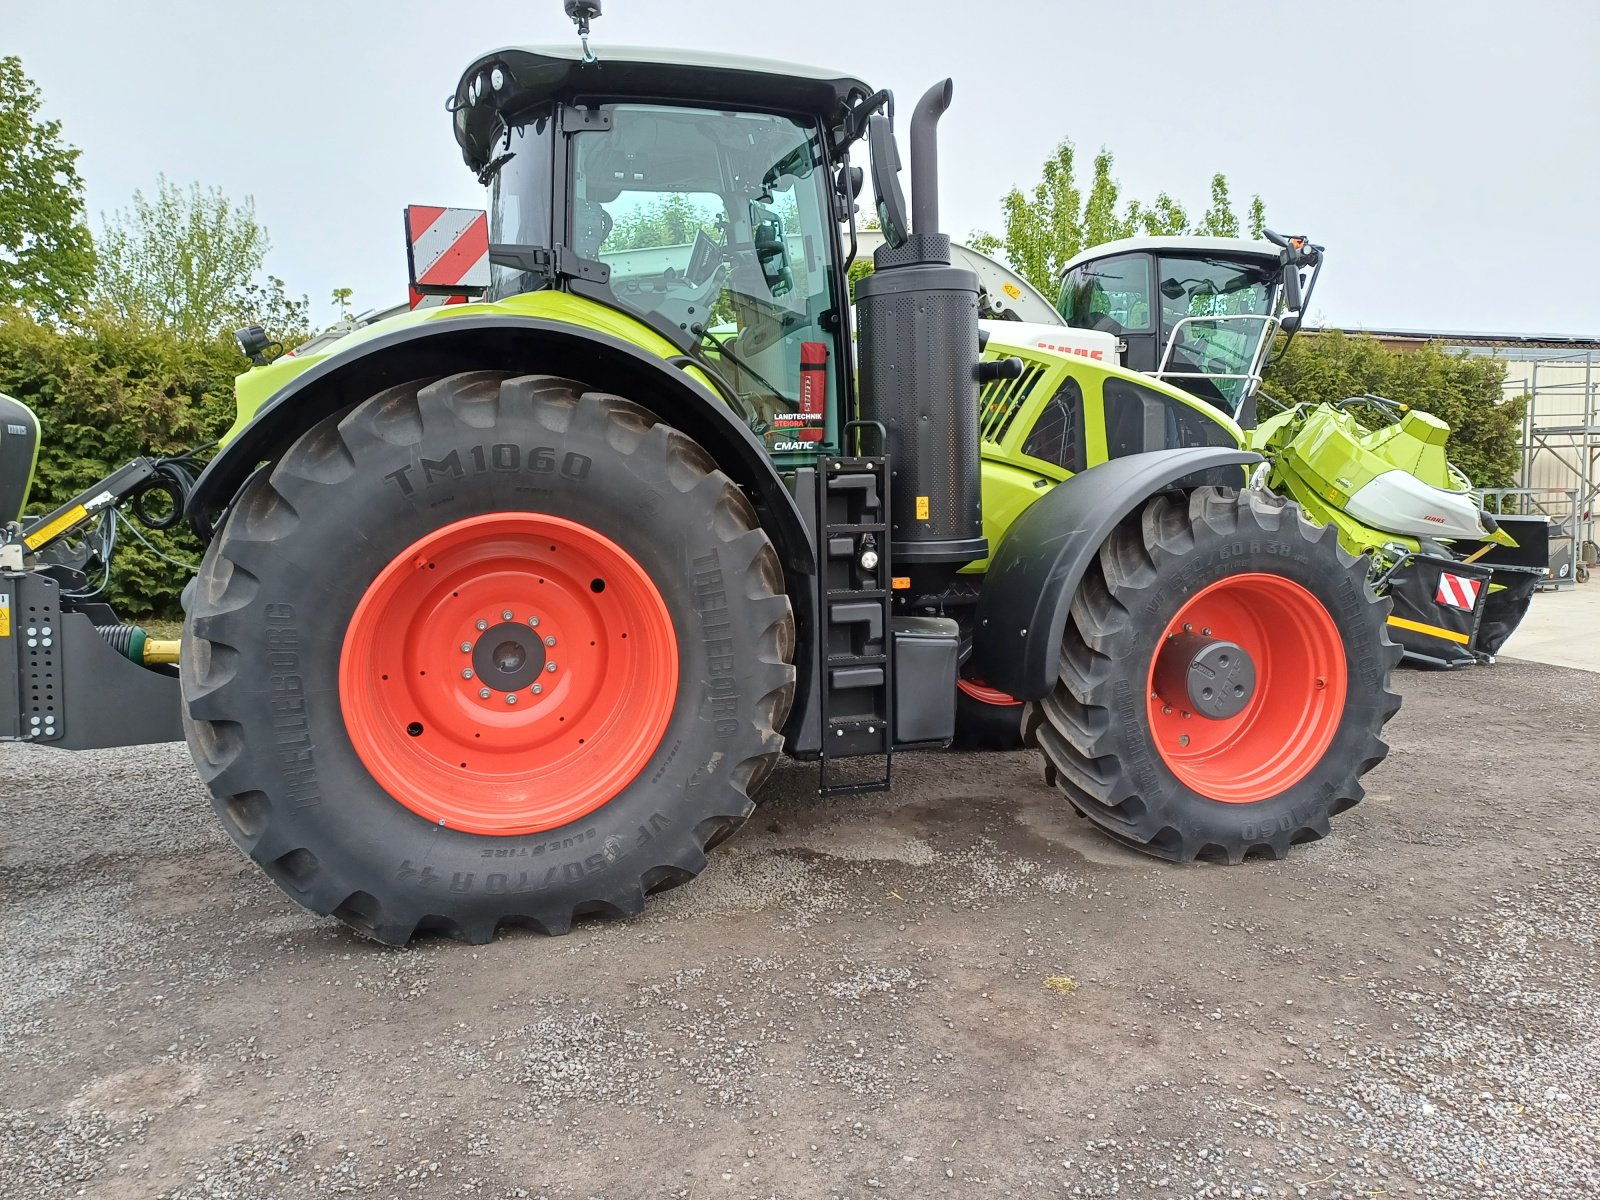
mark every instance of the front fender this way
{"type": "Point", "coordinates": [1039, 564]}
{"type": "Point", "coordinates": [524, 344]}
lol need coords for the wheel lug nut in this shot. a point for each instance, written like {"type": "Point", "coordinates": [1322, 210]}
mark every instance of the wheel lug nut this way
{"type": "Point", "coordinates": [533, 621]}
{"type": "Point", "coordinates": [482, 625]}
{"type": "Point", "coordinates": [466, 647]}
{"type": "Point", "coordinates": [550, 639]}
{"type": "Point", "coordinates": [511, 697]}
{"type": "Point", "coordinates": [506, 616]}
{"type": "Point", "coordinates": [549, 666]}
{"type": "Point", "coordinates": [537, 688]}
{"type": "Point", "coordinates": [483, 693]}
{"type": "Point", "coordinates": [467, 674]}
{"type": "Point", "coordinates": [1184, 740]}
{"type": "Point", "coordinates": [1206, 631]}
{"type": "Point", "coordinates": [1166, 709]}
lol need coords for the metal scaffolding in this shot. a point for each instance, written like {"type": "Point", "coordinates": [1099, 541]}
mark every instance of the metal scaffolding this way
{"type": "Point", "coordinates": [1563, 422]}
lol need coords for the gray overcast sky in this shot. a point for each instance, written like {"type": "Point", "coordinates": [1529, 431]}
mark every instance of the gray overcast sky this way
{"type": "Point", "coordinates": [1445, 152]}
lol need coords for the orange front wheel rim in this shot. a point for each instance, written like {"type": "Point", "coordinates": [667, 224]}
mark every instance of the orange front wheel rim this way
{"type": "Point", "coordinates": [509, 673]}
{"type": "Point", "coordinates": [1273, 712]}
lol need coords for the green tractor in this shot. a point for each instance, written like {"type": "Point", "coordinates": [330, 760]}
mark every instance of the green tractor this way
{"type": "Point", "coordinates": [510, 606]}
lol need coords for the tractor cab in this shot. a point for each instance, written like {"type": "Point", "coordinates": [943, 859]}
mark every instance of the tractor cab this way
{"type": "Point", "coordinates": [697, 193]}
{"type": "Point", "coordinates": [1198, 312]}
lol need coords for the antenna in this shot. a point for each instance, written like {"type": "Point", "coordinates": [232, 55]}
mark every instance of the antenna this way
{"type": "Point", "coordinates": [581, 12]}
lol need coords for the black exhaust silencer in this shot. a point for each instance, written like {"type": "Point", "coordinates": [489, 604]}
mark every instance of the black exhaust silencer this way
{"type": "Point", "coordinates": [918, 372]}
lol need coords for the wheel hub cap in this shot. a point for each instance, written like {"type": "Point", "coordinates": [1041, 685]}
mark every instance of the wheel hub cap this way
{"type": "Point", "coordinates": [1207, 676]}
{"type": "Point", "coordinates": [508, 657]}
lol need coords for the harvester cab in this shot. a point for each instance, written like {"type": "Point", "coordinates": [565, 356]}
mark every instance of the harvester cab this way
{"type": "Point", "coordinates": [1198, 312]}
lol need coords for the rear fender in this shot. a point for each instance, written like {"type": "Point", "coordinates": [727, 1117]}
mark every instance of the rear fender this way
{"type": "Point", "coordinates": [524, 345]}
{"type": "Point", "coordinates": [1041, 561]}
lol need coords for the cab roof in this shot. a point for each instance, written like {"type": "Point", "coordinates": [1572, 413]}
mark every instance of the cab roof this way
{"type": "Point", "coordinates": [1177, 244]}
{"type": "Point", "coordinates": [533, 75]}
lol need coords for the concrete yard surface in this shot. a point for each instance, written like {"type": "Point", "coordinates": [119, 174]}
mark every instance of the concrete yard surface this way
{"type": "Point", "coordinates": [1562, 628]}
{"type": "Point", "coordinates": [953, 990]}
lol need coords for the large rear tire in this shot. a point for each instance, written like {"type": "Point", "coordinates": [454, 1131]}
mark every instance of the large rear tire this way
{"type": "Point", "coordinates": [486, 652]}
{"type": "Point", "coordinates": [1155, 636]}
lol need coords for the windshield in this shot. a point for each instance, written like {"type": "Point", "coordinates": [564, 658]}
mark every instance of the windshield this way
{"type": "Point", "coordinates": [1214, 317]}
{"type": "Point", "coordinates": [718, 224]}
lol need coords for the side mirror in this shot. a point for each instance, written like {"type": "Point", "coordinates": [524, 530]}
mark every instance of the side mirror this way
{"type": "Point", "coordinates": [1292, 298]}
{"type": "Point", "coordinates": [891, 201]}
{"type": "Point", "coordinates": [772, 251]}
{"type": "Point", "coordinates": [447, 251]}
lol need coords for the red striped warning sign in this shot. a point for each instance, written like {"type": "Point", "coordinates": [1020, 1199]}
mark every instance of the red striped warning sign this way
{"type": "Point", "coordinates": [447, 250]}
{"type": "Point", "coordinates": [1456, 591]}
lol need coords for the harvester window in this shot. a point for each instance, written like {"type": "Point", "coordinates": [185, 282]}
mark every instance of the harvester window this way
{"type": "Point", "coordinates": [718, 223]}
{"type": "Point", "coordinates": [1111, 294]}
{"type": "Point", "coordinates": [1058, 435]}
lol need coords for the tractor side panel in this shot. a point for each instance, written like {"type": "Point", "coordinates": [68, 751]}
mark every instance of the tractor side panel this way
{"type": "Point", "coordinates": [1037, 567]}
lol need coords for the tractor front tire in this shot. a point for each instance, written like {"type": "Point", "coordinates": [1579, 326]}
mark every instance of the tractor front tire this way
{"type": "Point", "coordinates": [486, 651]}
{"type": "Point", "coordinates": [1224, 680]}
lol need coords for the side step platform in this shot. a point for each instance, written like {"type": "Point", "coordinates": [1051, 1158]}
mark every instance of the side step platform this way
{"type": "Point", "coordinates": [854, 582]}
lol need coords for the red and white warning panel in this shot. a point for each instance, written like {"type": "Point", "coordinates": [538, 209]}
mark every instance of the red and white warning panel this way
{"type": "Point", "coordinates": [447, 252]}
{"type": "Point", "coordinates": [1457, 591]}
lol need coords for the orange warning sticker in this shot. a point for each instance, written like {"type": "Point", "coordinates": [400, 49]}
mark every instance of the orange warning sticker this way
{"type": "Point", "coordinates": [5, 615]}
{"type": "Point", "coordinates": [900, 583]}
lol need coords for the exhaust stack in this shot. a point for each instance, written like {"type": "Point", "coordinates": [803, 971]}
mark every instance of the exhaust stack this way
{"type": "Point", "coordinates": [918, 353]}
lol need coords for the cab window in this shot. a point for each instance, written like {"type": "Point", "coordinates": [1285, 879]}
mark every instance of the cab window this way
{"type": "Point", "coordinates": [1110, 294]}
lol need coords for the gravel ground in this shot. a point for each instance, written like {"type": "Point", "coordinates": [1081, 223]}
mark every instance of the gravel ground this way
{"type": "Point", "coordinates": [954, 990]}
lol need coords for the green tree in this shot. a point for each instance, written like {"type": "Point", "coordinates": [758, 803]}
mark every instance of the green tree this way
{"type": "Point", "coordinates": [190, 260]}
{"type": "Point", "coordinates": [46, 253]}
{"type": "Point", "coordinates": [1220, 220]}
{"type": "Point", "coordinates": [341, 300]}
{"type": "Point", "coordinates": [1466, 391]}
{"type": "Point", "coordinates": [670, 220]}
{"type": "Point", "coordinates": [1044, 229]}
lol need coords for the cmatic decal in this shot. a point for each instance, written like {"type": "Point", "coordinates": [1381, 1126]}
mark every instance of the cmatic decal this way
{"type": "Point", "coordinates": [1457, 592]}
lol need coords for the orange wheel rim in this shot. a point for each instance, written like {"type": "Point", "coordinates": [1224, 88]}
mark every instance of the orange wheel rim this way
{"type": "Point", "coordinates": [1288, 718]}
{"type": "Point", "coordinates": [508, 673]}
